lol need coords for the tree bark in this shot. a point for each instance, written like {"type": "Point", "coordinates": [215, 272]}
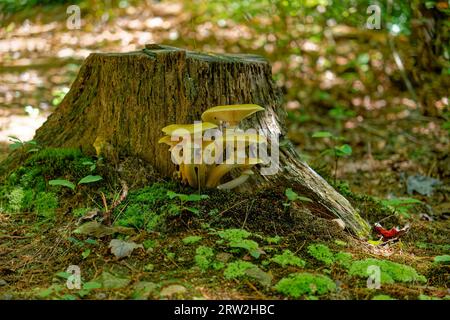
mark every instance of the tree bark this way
{"type": "Point", "coordinates": [124, 99]}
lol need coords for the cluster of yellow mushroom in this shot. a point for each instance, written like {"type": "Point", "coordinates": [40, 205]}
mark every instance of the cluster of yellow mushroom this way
{"type": "Point", "coordinates": [198, 149]}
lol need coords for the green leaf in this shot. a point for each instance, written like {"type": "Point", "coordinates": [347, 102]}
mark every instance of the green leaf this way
{"type": "Point", "coordinates": [290, 194]}
{"type": "Point", "coordinates": [64, 275]}
{"type": "Point", "coordinates": [62, 182]}
{"type": "Point", "coordinates": [322, 134]}
{"type": "Point", "coordinates": [90, 179]}
{"type": "Point", "coordinates": [445, 259]}
{"type": "Point", "coordinates": [293, 196]}
{"type": "Point", "coordinates": [343, 150]}
{"type": "Point", "coordinates": [92, 285]}
{"type": "Point", "coordinates": [86, 253]}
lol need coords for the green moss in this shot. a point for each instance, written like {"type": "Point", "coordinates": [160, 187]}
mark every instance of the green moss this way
{"type": "Point", "coordinates": [288, 258]}
{"type": "Point", "coordinates": [390, 271]}
{"type": "Point", "coordinates": [204, 259]}
{"type": "Point", "coordinates": [233, 235]}
{"type": "Point", "coordinates": [15, 198]}
{"type": "Point", "coordinates": [322, 253]}
{"type": "Point", "coordinates": [344, 259]}
{"type": "Point", "coordinates": [299, 284]}
{"type": "Point", "coordinates": [237, 269]}
{"type": "Point", "coordinates": [45, 204]}
{"type": "Point", "coordinates": [81, 212]}
{"type": "Point", "coordinates": [146, 208]}
{"type": "Point", "coordinates": [382, 297]}
{"type": "Point", "coordinates": [191, 239]}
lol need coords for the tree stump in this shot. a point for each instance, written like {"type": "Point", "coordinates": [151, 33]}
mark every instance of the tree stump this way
{"type": "Point", "coordinates": [124, 99]}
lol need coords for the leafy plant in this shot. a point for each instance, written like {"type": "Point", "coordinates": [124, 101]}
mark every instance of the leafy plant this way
{"type": "Point", "coordinates": [337, 150]}
{"type": "Point", "coordinates": [237, 238]}
{"type": "Point", "coordinates": [185, 198]}
{"type": "Point", "coordinates": [31, 145]}
{"type": "Point", "coordinates": [390, 271]}
{"type": "Point", "coordinates": [299, 284]}
{"type": "Point", "coordinates": [293, 196]}
{"type": "Point", "coordinates": [401, 206]}
{"type": "Point", "coordinates": [288, 258]}
{"type": "Point", "coordinates": [66, 183]}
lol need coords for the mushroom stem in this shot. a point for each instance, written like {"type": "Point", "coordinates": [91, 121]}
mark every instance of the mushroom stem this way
{"type": "Point", "coordinates": [190, 174]}
{"type": "Point", "coordinates": [217, 173]}
{"type": "Point", "coordinates": [234, 183]}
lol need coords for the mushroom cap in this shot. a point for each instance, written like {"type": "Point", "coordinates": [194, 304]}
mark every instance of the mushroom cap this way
{"type": "Point", "coordinates": [167, 140]}
{"type": "Point", "coordinates": [230, 113]}
{"type": "Point", "coordinates": [190, 128]}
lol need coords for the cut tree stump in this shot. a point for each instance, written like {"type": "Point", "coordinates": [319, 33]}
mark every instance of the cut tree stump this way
{"type": "Point", "coordinates": [122, 100]}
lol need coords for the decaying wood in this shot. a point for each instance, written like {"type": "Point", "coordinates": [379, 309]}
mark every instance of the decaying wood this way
{"type": "Point", "coordinates": [121, 101]}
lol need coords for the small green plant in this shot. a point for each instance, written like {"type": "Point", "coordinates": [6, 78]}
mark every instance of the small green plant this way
{"type": "Point", "coordinates": [16, 143]}
{"type": "Point", "coordinates": [391, 272]}
{"type": "Point", "coordinates": [401, 206]}
{"type": "Point", "coordinates": [337, 150]}
{"type": "Point", "coordinates": [237, 238]}
{"type": "Point", "coordinates": [66, 183]}
{"type": "Point", "coordinates": [322, 253]}
{"type": "Point", "coordinates": [273, 240]}
{"type": "Point", "coordinates": [204, 259]}
{"type": "Point", "coordinates": [288, 258]}
{"type": "Point", "coordinates": [298, 284]}
{"type": "Point", "coordinates": [293, 196]}
{"type": "Point", "coordinates": [237, 269]}
{"type": "Point", "coordinates": [184, 199]}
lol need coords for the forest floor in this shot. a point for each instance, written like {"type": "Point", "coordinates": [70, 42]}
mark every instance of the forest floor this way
{"type": "Point", "coordinates": [225, 245]}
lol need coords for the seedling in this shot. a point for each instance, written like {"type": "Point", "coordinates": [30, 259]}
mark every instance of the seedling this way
{"type": "Point", "coordinates": [337, 150]}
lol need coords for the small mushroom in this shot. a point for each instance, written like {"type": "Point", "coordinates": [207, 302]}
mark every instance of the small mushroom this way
{"type": "Point", "coordinates": [231, 114]}
{"type": "Point", "coordinates": [237, 181]}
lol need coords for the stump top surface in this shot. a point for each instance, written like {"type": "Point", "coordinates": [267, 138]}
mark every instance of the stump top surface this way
{"type": "Point", "coordinates": [153, 50]}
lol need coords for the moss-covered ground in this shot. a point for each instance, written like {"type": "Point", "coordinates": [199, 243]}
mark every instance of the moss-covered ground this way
{"type": "Point", "coordinates": [188, 245]}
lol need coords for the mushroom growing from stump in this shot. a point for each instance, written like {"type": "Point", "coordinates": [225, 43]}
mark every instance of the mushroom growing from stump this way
{"type": "Point", "coordinates": [207, 173]}
{"type": "Point", "coordinates": [193, 174]}
{"type": "Point", "coordinates": [231, 114]}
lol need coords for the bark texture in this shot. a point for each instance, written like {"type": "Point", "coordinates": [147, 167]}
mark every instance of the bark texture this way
{"type": "Point", "coordinates": [123, 101]}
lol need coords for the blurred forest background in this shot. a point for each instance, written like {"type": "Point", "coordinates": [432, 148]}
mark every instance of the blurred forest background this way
{"type": "Point", "coordinates": [381, 96]}
{"type": "Point", "coordinates": [385, 91]}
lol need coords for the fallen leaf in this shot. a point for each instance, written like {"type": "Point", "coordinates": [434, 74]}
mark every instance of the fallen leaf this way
{"type": "Point", "coordinates": [110, 281]}
{"type": "Point", "coordinates": [98, 230]}
{"type": "Point", "coordinates": [171, 290]}
{"type": "Point", "coordinates": [122, 249]}
{"type": "Point", "coordinates": [264, 278]}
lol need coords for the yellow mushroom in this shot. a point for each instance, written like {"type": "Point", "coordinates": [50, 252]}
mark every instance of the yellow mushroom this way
{"type": "Point", "coordinates": [216, 173]}
{"type": "Point", "coordinates": [187, 129]}
{"type": "Point", "coordinates": [237, 141]}
{"type": "Point", "coordinates": [231, 114]}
